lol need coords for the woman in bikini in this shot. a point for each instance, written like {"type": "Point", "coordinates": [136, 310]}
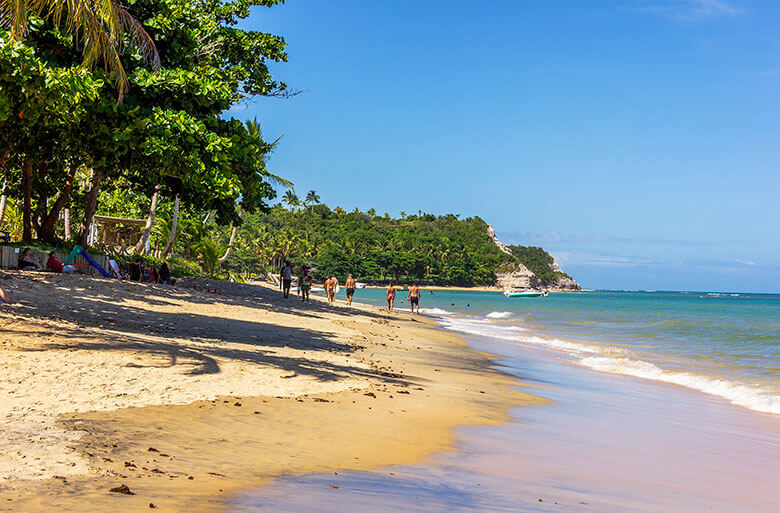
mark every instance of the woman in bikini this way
{"type": "Point", "coordinates": [390, 297]}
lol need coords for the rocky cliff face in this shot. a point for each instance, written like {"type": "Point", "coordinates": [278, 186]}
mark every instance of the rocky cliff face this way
{"type": "Point", "coordinates": [492, 233]}
{"type": "Point", "coordinates": [515, 275]}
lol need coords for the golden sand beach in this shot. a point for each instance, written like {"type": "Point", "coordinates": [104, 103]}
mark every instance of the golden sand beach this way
{"type": "Point", "coordinates": [188, 395]}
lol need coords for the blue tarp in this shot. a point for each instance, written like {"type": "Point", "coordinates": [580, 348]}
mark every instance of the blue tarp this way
{"type": "Point", "coordinates": [95, 264]}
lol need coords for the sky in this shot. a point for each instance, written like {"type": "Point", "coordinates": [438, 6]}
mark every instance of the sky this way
{"type": "Point", "coordinates": [638, 141]}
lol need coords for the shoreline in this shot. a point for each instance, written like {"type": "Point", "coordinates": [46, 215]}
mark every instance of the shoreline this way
{"type": "Point", "coordinates": [356, 389]}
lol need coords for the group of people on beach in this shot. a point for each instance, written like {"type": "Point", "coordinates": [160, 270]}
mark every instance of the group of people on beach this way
{"type": "Point", "coordinates": [413, 297]}
{"type": "Point", "coordinates": [331, 287]}
{"type": "Point", "coordinates": [139, 270]}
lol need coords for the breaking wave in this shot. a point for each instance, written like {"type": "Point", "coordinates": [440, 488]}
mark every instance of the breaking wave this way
{"type": "Point", "coordinates": [742, 394]}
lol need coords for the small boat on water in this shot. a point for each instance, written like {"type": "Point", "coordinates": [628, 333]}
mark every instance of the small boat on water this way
{"type": "Point", "coordinates": [523, 293]}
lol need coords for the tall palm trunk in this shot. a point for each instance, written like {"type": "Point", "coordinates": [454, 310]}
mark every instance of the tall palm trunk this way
{"type": "Point", "coordinates": [174, 226]}
{"type": "Point", "coordinates": [89, 212]}
{"type": "Point", "coordinates": [3, 198]}
{"type": "Point", "coordinates": [141, 246]}
{"type": "Point", "coordinates": [233, 234]}
{"type": "Point", "coordinates": [66, 221]}
{"type": "Point", "coordinates": [27, 179]}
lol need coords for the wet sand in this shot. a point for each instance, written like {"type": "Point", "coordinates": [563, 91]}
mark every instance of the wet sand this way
{"type": "Point", "coordinates": [606, 444]}
{"type": "Point", "coordinates": [189, 396]}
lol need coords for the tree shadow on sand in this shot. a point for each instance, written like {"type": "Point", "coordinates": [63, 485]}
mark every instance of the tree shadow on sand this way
{"type": "Point", "coordinates": [190, 339]}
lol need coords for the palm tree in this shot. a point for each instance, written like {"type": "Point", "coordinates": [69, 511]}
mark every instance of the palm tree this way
{"type": "Point", "coordinates": [208, 253]}
{"type": "Point", "coordinates": [291, 199]}
{"type": "Point", "coordinates": [255, 131]}
{"type": "Point", "coordinates": [312, 198]}
{"type": "Point", "coordinates": [100, 27]}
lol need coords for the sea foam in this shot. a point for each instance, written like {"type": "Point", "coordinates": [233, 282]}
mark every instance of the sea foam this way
{"type": "Point", "coordinates": [498, 315]}
{"type": "Point", "coordinates": [750, 396]}
{"type": "Point", "coordinates": [615, 360]}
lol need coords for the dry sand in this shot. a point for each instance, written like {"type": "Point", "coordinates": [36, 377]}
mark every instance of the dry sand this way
{"type": "Point", "coordinates": [187, 395]}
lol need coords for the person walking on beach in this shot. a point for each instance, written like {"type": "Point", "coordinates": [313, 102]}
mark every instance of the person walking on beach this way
{"type": "Point", "coordinates": [350, 285]}
{"type": "Point", "coordinates": [329, 289]}
{"type": "Point", "coordinates": [390, 297]}
{"type": "Point", "coordinates": [414, 297]}
{"type": "Point", "coordinates": [287, 274]}
{"type": "Point", "coordinates": [305, 285]}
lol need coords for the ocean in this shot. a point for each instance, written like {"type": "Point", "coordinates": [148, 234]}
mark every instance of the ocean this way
{"type": "Point", "coordinates": [660, 402]}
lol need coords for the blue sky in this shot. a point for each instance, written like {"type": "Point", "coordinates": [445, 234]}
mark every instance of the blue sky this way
{"type": "Point", "coordinates": [636, 140]}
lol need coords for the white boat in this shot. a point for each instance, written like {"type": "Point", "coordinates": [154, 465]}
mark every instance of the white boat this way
{"type": "Point", "coordinates": [322, 289]}
{"type": "Point", "coordinates": [522, 293]}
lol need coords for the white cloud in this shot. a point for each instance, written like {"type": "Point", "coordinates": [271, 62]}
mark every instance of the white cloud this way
{"type": "Point", "coordinates": [746, 262]}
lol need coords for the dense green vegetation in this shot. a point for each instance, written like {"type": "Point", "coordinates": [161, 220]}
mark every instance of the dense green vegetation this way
{"type": "Point", "coordinates": [423, 248]}
{"type": "Point", "coordinates": [68, 135]}
{"type": "Point", "coordinates": [148, 136]}
{"type": "Point", "coordinates": [539, 262]}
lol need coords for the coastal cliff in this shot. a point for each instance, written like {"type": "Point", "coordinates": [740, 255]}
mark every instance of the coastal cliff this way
{"type": "Point", "coordinates": [531, 268]}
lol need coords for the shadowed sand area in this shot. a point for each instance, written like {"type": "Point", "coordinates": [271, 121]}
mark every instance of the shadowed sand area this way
{"type": "Point", "coordinates": [188, 396]}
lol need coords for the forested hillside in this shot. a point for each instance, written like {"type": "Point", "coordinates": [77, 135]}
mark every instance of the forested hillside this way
{"type": "Point", "coordinates": [425, 248]}
{"type": "Point", "coordinates": [539, 262]}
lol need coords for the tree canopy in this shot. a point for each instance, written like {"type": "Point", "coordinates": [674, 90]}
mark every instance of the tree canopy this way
{"type": "Point", "coordinates": [61, 124]}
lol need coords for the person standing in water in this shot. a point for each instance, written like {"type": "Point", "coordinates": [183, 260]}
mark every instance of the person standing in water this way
{"type": "Point", "coordinates": [350, 285]}
{"type": "Point", "coordinates": [390, 297]}
{"type": "Point", "coordinates": [414, 297]}
{"type": "Point", "coordinates": [287, 274]}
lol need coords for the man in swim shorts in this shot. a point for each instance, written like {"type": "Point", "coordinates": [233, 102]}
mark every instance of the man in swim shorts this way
{"type": "Point", "coordinates": [287, 274]}
{"type": "Point", "coordinates": [350, 285]}
{"type": "Point", "coordinates": [414, 297]}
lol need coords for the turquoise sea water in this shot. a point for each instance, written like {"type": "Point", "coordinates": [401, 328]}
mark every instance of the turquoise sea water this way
{"type": "Point", "coordinates": [723, 344]}
{"type": "Point", "coordinates": [660, 402]}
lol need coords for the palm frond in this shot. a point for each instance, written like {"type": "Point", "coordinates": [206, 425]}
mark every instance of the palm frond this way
{"type": "Point", "coordinates": [100, 27]}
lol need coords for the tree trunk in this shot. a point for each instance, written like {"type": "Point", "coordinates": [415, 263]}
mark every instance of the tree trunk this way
{"type": "Point", "coordinates": [27, 179]}
{"type": "Point", "coordinates": [141, 246]}
{"type": "Point", "coordinates": [89, 212]}
{"type": "Point", "coordinates": [47, 228]}
{"type": "Point", "coordinates": [208, 216]}
{"type": "Point", "coordinates": [174, 226]}
{"type": "Point", "coordinates": [43, 198]}
{"type": "Point", "coordinates": [3, 199]}
{"type": "Point", "coordinates": [233, 234]}
{"type": "Point", "coordinates": [66, 221]}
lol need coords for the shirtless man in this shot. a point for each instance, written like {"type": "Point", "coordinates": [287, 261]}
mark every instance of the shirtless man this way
{"type": "Point", "coordinates": [350, 285]}
{"type": "Point", "coordinates": [390, 297]}
{"type": "Point", "coordinates": [414, 297]}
